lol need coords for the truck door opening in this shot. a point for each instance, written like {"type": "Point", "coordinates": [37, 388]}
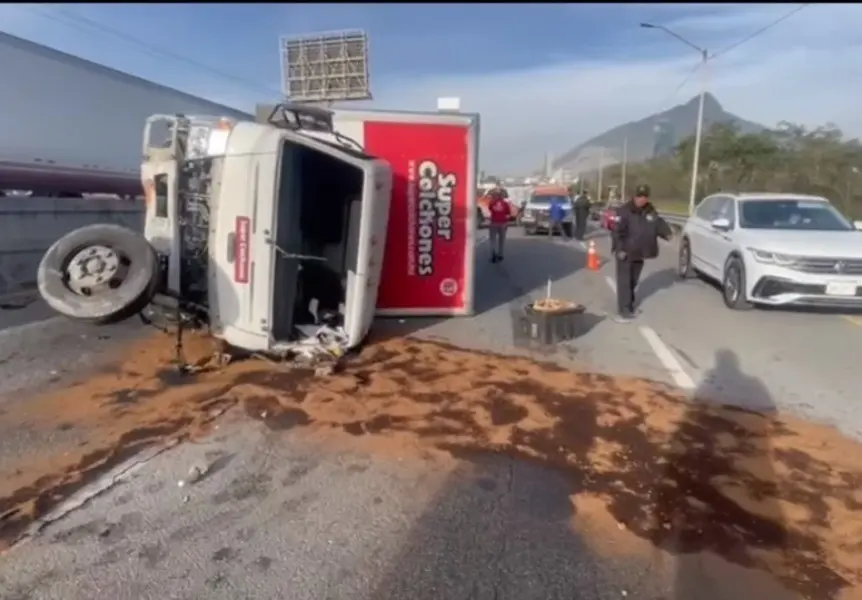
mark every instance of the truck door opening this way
{"type": "Point", "coordinates": [318, 208]}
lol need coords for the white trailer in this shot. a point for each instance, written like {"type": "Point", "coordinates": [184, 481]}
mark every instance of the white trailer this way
{"type": "Point", "coordinates": [71, 126]}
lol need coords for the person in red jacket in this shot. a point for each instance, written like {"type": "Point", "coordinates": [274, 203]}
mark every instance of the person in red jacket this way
{"type": "Point", "coordinates": [500, 210]}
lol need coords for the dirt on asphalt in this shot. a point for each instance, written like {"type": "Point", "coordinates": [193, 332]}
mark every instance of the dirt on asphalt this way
{"type": "Point", "coordinates": [766, 492]}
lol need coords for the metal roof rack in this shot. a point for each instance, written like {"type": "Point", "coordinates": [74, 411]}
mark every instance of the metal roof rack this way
{"type": "Point", "coordinates": [298, 117]}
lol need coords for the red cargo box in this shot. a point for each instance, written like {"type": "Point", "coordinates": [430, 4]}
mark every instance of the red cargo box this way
{"type": "Point", "coordinates": [428, 266]}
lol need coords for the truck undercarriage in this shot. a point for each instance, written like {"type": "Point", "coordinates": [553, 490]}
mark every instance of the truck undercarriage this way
{"type": "Point", "coordinates": [211, 243]}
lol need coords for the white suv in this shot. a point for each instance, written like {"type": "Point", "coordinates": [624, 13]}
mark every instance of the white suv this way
{"type": "Point", "coordinates": [775, 249]}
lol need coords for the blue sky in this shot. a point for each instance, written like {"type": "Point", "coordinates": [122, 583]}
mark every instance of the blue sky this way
{"type": "Point", "coordinates": [544, 77]}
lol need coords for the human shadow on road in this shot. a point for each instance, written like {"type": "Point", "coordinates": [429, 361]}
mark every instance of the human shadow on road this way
{"type": "Point", "coordinates": [698, 480]}
{"type": "Point", "coordinates": [692, 514]}
{"type": "Point", "coordinates": [500, 525]}
{"type": "Point", "coordinates": [499, 528]}
{"type": "Point", "coordinates": [653, 283]}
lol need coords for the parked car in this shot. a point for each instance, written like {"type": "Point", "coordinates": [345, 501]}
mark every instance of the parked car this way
{"type": "Point", "coordinates": [608, 215]}
{"type": "Point", "coordinates": [774, 249]}
{"type": "Point", "coordinates": [536, 214]}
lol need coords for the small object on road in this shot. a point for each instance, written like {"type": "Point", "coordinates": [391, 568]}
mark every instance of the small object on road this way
{"type": "Point", "coordinates": [195, 474]}
{"type": "Point", "coordinates": [324, 370]}
{"type": "Point", "coordinates": [549, 321]}
{"type": "Point", "coordinates": [186, 498]}
{"type": "Point", "coordinates": [593, 263]}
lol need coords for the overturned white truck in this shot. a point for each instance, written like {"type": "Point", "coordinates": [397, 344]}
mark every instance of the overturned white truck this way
{"type": "Point", "coordinates": [271, 233]}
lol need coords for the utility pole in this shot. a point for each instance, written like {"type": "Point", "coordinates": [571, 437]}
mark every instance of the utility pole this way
{"type": "Point", "coordinates": [601, 170]}
{"type": "Point", "coordinates": [625, 163]}
{"type": "Point", "coordinates": [698, 132]}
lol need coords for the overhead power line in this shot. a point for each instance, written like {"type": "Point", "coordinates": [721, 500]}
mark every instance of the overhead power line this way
{"type": "Point", "coordinates": [733, 46]}
{"type": "Point", "coordinates": [75, 20]}
{"type": "Point", "coordinates": [760, 31]}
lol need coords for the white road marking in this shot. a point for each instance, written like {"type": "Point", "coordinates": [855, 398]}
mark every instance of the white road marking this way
{"type": "Point", "coordinates": [667, 358]}
{"type": "Point", "coordinates": [664, 354]}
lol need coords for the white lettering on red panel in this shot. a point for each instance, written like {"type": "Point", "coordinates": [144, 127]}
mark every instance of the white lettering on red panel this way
{"type": "Point", "coordinates": [434, 212]}
{"type": "Point", "coordinates": [241, 249]}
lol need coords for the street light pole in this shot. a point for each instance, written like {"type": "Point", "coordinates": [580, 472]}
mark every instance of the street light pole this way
{"type": "Point", "coordinates": [601, 169]}
{"type": "Point", "coordinates": [698, 131]}
{"type": "Point", "coordinates": [625, 163]}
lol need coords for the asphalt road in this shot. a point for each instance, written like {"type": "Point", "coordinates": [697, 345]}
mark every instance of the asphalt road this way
{"type": "Point", "coordinates": [802, 361]}
{"type": "Point", "coordinates": [283, 516]}
{"type": "Point", "coordinates": [286, 516]}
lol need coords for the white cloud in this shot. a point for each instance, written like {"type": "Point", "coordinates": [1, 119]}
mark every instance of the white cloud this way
{"type": "Point", "coordinates": [805, 70]}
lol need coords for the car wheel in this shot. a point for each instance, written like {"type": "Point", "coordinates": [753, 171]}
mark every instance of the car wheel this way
{"type": "Point", "coordinates": [100, 273]}
{"type": "Point", "coordinates": [733, 285]}
{"type": "Point", "coordinates": [684, 270]}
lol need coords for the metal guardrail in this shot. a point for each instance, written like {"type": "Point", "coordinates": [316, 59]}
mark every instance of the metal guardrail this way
{"type": "Point", "coordinates": [674, 219]}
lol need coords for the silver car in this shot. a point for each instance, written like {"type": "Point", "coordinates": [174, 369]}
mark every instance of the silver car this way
{"type": "Point", "coordinates": [536, 215]}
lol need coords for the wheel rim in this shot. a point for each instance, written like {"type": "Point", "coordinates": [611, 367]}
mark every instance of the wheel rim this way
{"type": "Point", "coordinates": [95, 269]}
{"type": "Point", "coordinates": [731, 284]}
{"type": "Point", "coordinates": [683, 259]}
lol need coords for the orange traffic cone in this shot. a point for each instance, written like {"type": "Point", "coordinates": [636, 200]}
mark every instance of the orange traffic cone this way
{"type": "Point", "coordinates": [593, 263]}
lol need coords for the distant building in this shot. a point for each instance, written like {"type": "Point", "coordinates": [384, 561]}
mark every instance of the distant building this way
{"type": "Point", "coordinates": [663, 143]}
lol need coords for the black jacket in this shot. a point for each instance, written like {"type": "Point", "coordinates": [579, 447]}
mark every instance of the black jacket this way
{"type": "Point", "coordinates": [637, 231]}
{"type": "Point", "coordinates": [582, 203]}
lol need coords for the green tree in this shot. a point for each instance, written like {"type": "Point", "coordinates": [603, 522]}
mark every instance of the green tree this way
{"type": "Point", "coordinates": [788, 158]}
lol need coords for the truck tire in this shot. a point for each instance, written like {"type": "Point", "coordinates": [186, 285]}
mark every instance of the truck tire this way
{"type": "Point", "coordinates": [100, 273]}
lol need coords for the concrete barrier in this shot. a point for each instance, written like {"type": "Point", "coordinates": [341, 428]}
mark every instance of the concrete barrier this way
{"type": "Point", "coordinates": [28, 226]}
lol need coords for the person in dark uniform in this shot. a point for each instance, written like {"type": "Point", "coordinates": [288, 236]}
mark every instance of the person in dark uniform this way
{"type": "Point", "coordinates": [582, 213]}
{"type": "Point", "coordinates": [635, 239]}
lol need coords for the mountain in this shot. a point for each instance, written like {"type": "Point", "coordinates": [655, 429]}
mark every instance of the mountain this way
{"type": "Point", "coordinates": [651, 137]}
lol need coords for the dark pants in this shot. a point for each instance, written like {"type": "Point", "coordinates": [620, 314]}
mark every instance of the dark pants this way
{"type": "Point", "coordinates": [628, 275]}
{"type": "Point", "coordinates": [581, 223]}
{"type": "Point", "coordinates": [556, 226]}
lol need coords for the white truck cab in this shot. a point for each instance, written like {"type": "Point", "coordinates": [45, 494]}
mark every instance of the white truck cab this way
{"type": "Point", "coordinates": [272, 235]}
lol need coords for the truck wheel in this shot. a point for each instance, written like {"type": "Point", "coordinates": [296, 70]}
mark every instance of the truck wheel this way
{"type": "Point", "coordinates": [99, 273]}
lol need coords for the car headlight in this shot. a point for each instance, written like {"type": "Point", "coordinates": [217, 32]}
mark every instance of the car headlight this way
{"type": "Point", "coordinates": [772, 258]}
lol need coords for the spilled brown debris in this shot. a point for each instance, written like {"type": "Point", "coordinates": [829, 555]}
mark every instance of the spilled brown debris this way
{"type": "Point", "coordinates": [774, 494]}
